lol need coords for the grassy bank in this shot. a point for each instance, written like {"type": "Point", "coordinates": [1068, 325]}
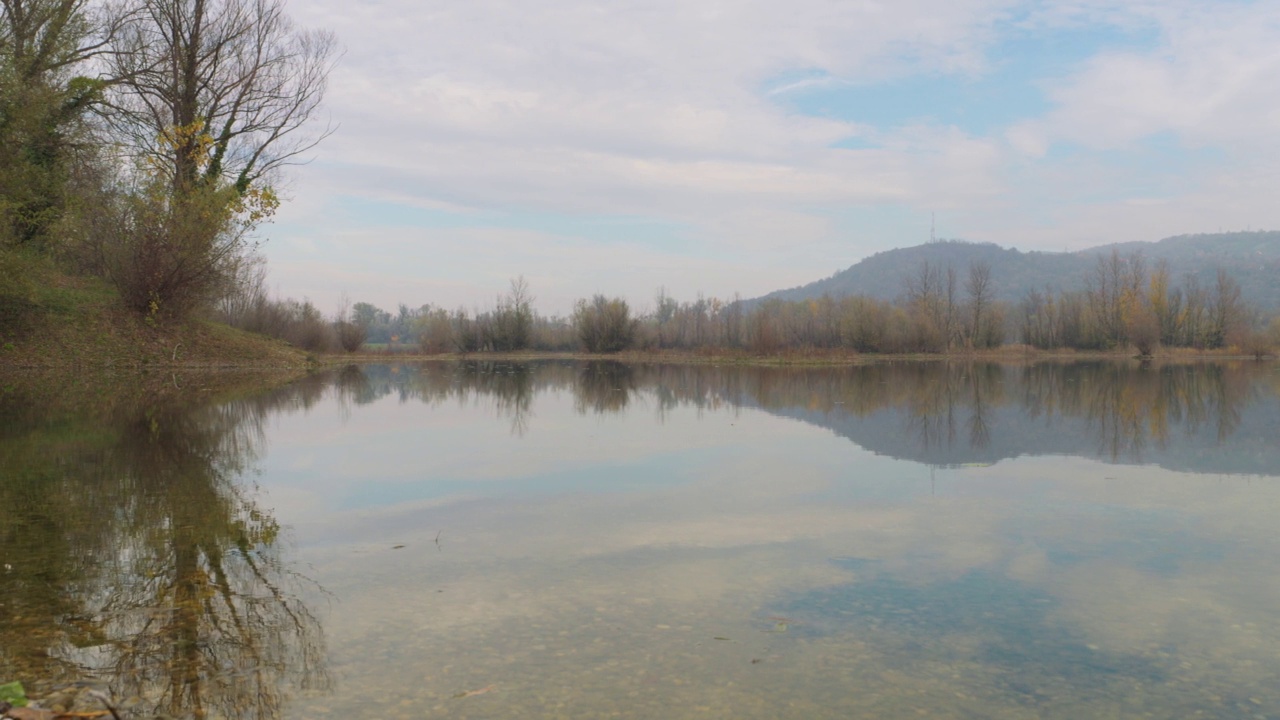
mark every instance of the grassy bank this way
{"type": "Point", "coordinates": [60, 321]}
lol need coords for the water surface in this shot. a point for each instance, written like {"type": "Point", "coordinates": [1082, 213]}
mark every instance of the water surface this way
{"type": "Point", "coordinates": [491, 540]}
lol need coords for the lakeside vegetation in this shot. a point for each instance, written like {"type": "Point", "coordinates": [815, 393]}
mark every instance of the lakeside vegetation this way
{"type": "Point", "coordinates": [134, 173]}
{"type": "Point", "coordinates": [1124, 309]}
{"type": "Point", "coordinates": [79, 322]}
{"type": "Point", "coordinates": [140, 146]}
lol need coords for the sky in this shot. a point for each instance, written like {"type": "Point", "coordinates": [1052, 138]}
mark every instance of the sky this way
{"type": "Point", "coordinates": [742, 146]}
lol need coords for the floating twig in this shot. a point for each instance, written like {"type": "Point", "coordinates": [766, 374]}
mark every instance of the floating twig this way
{"type": "Point", "coordinates": [470, 693]}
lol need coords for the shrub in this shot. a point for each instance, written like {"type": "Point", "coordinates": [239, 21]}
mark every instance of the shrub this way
{"type": "Point", "coordinates": [604, 325]}
{"type": "Point", "coordinates": [350, 335]}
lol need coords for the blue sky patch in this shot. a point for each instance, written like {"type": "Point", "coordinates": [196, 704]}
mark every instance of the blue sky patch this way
{"type": "Point", "coordinates": [1012, 89]}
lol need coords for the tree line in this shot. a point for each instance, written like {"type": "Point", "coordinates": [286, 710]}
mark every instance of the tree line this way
{"type": "Point", "coordinates": [142, 140]}
{"type": "Point", "coordinates": [941, 310]}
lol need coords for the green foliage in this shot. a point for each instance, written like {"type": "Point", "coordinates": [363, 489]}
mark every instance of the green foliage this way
{"type": "Point", "coordinates": [42, 114]}
{"type": "Point", "coordinates": [15, 281]}
{"type": "Point", "coordinates": [14, 694]}
{"type": "Point", "coordinates": [169, 230]}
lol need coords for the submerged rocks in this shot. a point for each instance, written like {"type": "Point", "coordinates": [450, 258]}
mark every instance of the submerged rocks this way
{"type": "Point", "coordinates": [81, 699]}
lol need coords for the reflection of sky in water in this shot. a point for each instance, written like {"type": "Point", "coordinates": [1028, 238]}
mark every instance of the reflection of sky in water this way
{"type": "Point", "coordinates": [733, 563]}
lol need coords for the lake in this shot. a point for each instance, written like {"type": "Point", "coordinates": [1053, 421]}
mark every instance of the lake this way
{"type": "Point", "coordinates": [591, 540]}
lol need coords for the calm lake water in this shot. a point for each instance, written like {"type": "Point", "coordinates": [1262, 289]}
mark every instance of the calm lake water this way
{"type": "Point", "coordinates": [575, 540]}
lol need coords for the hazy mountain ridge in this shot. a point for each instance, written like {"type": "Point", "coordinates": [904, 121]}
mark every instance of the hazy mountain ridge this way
{"type": "Point", "coordinates": [1252, 258]}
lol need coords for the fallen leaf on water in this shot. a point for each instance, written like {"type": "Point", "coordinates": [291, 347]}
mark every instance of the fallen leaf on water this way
{"type": "Point", "coordinates": [780, 623]}
{"type": "Point", "coordinates": [469, 693]}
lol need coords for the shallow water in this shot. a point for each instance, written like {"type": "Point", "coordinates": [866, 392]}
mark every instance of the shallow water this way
{"type": "Point", "coordinates": [553, 540]}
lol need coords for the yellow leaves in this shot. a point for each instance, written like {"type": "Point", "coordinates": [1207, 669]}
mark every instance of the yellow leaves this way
{"type": "Point", "coordinates": [191, 146]}
{"type": "Point", "coordinates": [255, 205]}
{"type": "Point", "coordinates": [188, 145]}
{"type": "Point", "coordinates": [153, 307]}
{"type": "Point", "coordinates": [190, 140]}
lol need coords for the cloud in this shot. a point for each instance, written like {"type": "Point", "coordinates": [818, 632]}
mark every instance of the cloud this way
{"type": "Point", "coordinates": [674, 113]}
{"type": "Point", "coordinates": [1204, 83]}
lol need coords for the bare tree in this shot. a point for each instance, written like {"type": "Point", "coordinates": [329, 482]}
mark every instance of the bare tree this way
{"type": "Point", "coordinates": [1115, 291]}
{"type": "Point", "coordinates": [211, 97]}
{"type": "Point", "coordinates": [1165, 303]}
{"type": "Point", "coordinates": [219, 90]}
{"type": "Point", "coordinates": [931, 301]}
{"type": "Point", "coordinates": [949, 307]}
{"type": "Point", "coordinates": [978, 288]}
{"type": "Point", "coordinates": [1228, 314]}
{"type": "Point", "coordinates": [349, 333]}
{"type": "Point", "coordinates": [510, 326]}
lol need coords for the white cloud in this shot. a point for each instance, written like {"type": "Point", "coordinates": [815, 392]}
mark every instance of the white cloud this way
{"type": "Point", "coordinates": [664, 110]}
{"type": "Point", "coordinates": [1206, 82]}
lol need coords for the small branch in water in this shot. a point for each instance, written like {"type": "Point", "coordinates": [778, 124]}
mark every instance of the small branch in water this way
{"type": "Point", "coordinates": [102, 697]}
{"type": "Point", "coordinates": [473, 693]}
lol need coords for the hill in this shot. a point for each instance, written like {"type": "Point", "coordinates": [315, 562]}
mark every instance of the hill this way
{"type": "Point", "coordinates": [1252, 258]}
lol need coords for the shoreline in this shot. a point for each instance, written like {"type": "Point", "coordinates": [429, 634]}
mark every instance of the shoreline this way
{"type": "Point", "coordinates": [250, 353]}
{"type": "Point", "coordinates": [814, 358]}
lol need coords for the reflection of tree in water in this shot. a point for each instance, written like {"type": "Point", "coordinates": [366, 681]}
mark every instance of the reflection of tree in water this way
{"type": "Point", "coordinates": [169, 576]}
{"type": "Point", "coordinates": [1129, 406]}
{"type": "Point", "coordinates": [352, 386]}
{"type": "Point", "coordinates": [603, 386]}
{"type": "Point", "coordinates": [944, 405]}
{"type": "Point", "coordinates": [508, 386]}
{"type": "Point", "coordinates": [933, 404]}
{"type": "Point", "coordinates": [986, 390]}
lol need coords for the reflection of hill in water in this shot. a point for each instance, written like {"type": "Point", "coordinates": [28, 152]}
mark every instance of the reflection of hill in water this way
{"type": "Point", "coordinates": [1011, 432]}
{"type": "Point", "coordinates": [1201, 417]}
{"type": "Point", "coordinates": [1198, 418]}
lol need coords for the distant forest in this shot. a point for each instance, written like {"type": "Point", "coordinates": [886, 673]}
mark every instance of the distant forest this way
{"type": "Point", "coordinates": [1120, 301]}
